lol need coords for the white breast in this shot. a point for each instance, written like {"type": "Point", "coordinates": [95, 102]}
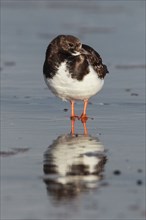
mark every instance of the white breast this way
{"type": "Point", "coordinates": [67, 88]}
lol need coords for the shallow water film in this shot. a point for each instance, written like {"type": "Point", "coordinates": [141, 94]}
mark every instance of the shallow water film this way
{"type": "Point", "coordinates": [47, 173]}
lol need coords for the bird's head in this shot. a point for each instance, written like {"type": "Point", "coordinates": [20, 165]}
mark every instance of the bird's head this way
{"type": "Point", "coordinates": [69, 44]}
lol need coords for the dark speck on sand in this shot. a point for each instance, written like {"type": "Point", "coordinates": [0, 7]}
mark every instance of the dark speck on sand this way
{"type": "Point", "coordinates": [117, 172]}
{"type": "Point", "coordinates": [139, 182]}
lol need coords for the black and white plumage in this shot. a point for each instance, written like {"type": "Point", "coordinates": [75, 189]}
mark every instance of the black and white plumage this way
{"type": "Point", "coordinates": [72, 70]}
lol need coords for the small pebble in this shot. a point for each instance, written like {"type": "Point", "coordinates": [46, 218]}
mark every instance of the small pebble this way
{"type": "Point", "coordinates": [134, 94]}
{"type": "Point", "coordinates": [117, 172]}
{"type": "Point", "coordinates": [139, 182]}
{"type": "Point", "coordinates": [139, 170]}
{"type": "Point", "coordinates": [127, 90]}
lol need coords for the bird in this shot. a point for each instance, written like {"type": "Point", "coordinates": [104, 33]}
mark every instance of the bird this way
{"type": "Point", "coordinates": [73, 71]}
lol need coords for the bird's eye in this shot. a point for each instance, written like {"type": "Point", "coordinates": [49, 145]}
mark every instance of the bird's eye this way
{"type": "Point", "coordinates": [70, 45]}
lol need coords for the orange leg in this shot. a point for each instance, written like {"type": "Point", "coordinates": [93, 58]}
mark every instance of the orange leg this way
{"type": "Point", "coordinates": [72, 127]}
{"type": "Point", "coordinates": [73, 116]}
{"type": "Point", "coordinates": [85, 128]}
{"type": "Point", "coordinates": [83, 116]}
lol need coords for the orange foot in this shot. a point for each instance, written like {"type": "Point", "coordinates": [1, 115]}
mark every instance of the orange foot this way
{"type": "Point", "coordinates": [74, 117]}
{"type": "Point", "coordinates": [83, 118]}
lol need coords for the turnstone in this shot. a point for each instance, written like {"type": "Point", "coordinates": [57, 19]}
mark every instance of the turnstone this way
{"type": "Point", "coordinates": [73, 71]}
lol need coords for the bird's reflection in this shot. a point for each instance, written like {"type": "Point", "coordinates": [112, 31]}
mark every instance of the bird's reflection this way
{"type": "Point", "coordinates": [73, 164]}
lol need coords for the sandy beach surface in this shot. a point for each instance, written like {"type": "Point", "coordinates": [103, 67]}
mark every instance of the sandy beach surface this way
{"type": "Point", "coordinates": [45, 172]}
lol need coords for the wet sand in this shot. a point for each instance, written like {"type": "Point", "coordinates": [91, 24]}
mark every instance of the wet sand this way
{"type": "Point", "coordinates": [45, 172]}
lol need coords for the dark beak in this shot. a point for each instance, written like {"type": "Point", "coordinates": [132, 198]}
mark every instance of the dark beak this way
{"type": "Point", "coordinates": [83, 51]}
